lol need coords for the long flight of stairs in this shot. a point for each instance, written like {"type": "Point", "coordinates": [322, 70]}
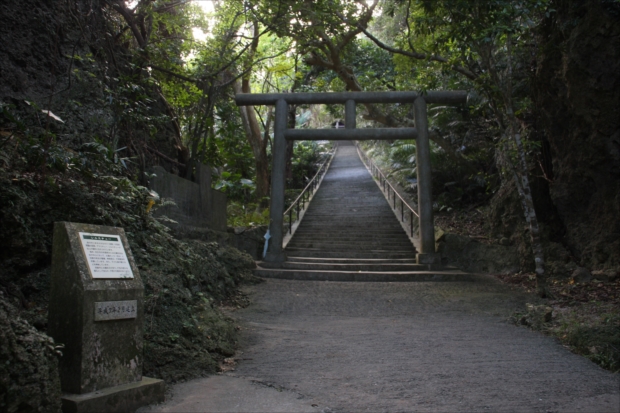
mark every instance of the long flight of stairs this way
{"type": "Point", "coordinates": [349, 233]}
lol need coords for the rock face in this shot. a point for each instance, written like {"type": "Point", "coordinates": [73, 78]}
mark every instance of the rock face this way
{"type": "Point", "coordinates": [57, 56]}
{"type": "Point", "coordinates": [471, 255]}
{"type": "Point", "coordinates": [581, 275]}
{"type": "Point", "coordinates": [31, 49]}
{"type": "Point", "coordinates": [29, 380]}
{"type": "Point", "coordinates": [577, 95]}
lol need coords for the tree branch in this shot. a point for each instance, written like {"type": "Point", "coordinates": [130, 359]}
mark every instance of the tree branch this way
{"type": "Point", "coordinates": [171, 73]}
{"type": "Point", "coordinates": [129, 17]}
{"type": "Point", "coordinates": [246, 71]}
{"type": "Point", "coordinates": [415, 55]}
{"type": "Point", "coordinates": [161, 155]}
{"type": "Point", "coordinates": [359, 26]}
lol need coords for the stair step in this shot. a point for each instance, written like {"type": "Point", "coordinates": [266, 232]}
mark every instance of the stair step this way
{"type": "Point", "coordinates": [319, 266]}
{"type": "Point", "coordinates": [351, 254]}
{"type": "Point", "coordinates": [369, 249]}
{"type": "Point", "coordinates": [347, 236]}
{"type": "Point", "coordinates": [343, 225]}
{"type": "Point", "coordinates": [329, 230]}
{"type": "Point", "coordinates": [298, 259]}
{"type": "Point", "coordinates": [344, 229]}
{"type": "Point", "coordinates": [357, 234]}
{"type": "Point", "coordinates": [354, 240]}
{"type": "Point", "coordinates": [365, 276]}
{"type": "Point", "coordinates": [361, 220]}
{"type": "Point", "coordinates": [325, 243]}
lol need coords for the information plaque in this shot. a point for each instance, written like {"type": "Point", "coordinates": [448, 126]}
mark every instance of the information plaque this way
{"type": "Point", "coordinates": [105, 255]}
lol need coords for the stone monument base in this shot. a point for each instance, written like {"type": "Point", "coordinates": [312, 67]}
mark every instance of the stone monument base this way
{"type": "Point", "coordinates": [124, 398]}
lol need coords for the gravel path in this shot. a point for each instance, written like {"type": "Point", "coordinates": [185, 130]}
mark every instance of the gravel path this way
{"type": "Point", "coordinates": [446, 347]}
{"type": "Point", "coordinates": [395, 347]}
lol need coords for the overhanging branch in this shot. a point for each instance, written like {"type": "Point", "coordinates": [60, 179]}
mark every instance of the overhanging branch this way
{"type": "Point", "coordinates": [414, 55]}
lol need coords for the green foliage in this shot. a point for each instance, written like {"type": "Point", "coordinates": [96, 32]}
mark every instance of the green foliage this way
{"type": "Point", "coordinates": [307, 157]}
{"type": "Point", "coordinates": [231, 148]}
{"type": "Point", "coordinates": [492, 38]}
{"type": "Point", "coordinates": [373, 67]}
{"type": "Point", "coordinates": [235, 186]}
{"type": "Point", "coordinates": [246, 215]}
{"type": "Point", "coordinates": [304, 21]}
{"type": "Point", "coordinates": [183, 279]}
{"type": "Point", "coordinates": [279, 71]}
{"type": "Point", "coordinates": [484, 46]}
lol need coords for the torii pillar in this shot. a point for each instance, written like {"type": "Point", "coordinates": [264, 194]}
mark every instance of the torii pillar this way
{"type": "Point", "coordinates": [278, 181]}
{"type": "Point", "coordinates": [427, 254]}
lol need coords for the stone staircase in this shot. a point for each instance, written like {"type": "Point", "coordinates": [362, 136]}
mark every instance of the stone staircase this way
{"type": "Point", "coordinates": [350, 233]}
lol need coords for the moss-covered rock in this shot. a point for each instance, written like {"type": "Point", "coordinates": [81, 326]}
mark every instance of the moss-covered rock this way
{"type": "Point", "coordinates": [29, 380]}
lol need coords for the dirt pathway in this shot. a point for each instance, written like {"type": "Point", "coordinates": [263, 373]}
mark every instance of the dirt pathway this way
{"type": "Point", "coordinates": [391, 347]}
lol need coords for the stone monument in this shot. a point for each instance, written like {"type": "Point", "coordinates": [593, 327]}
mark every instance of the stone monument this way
{"type": "Point", "coordinates": [96, 310]}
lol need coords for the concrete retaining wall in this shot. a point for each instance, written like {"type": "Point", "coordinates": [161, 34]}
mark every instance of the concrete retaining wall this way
{"type": "Point", "coordinates": [250, 240]}
{"type": "Point", "coordinates": [197, 204]}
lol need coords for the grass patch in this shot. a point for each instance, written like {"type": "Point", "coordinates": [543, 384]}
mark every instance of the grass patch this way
{"type": "Point", "coordinates": [590, 329]}
{"type": "Point", "coordinates": [585, 317]}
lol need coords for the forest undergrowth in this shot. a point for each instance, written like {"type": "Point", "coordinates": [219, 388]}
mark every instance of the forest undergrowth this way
{"type": "Point", "coordinates": [186, 333]}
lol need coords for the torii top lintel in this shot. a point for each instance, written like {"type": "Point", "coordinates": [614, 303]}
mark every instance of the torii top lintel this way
{"type": "Point", "coordinates": [454, 97]}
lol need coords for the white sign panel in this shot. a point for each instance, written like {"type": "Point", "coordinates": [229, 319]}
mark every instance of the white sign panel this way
{"type": "Point", "coordinates": [115, 310]}
{"type": "Point", "coordinates": [105, 255]}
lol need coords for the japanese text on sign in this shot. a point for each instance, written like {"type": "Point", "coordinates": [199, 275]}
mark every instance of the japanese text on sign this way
{"type": "Point", "coordinates": [105, 255]}
{"type": "Point", "coordinates": [115, 310]}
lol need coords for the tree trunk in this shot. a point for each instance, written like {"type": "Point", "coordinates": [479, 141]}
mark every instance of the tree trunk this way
{"type": "Point", "coordinates": [525, 193]}
{"type": "Point", "coordinates": [258, 144]}
{"type": "Point", "coordinates": [522, 180]}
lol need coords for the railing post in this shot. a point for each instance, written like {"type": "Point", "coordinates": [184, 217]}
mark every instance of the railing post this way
{"type": "Point", "coordinates": [411, 223]}
{"type": "Point", "coordinates": [427, 255]}
{"type": "Point", "coordinates": [278, 180]}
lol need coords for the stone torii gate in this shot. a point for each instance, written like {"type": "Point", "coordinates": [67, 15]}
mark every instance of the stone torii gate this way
{"type": "Point", "coordinates": [427, 254]}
